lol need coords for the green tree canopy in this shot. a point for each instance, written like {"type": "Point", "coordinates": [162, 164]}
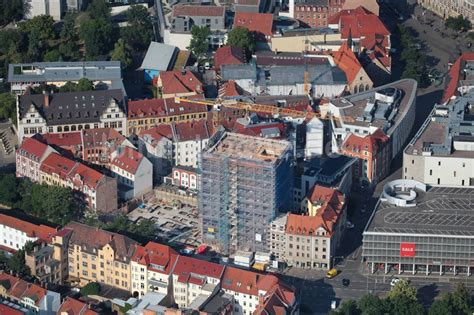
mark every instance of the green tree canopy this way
{"type": "Point", "coordinates": [8, 106]}
{"type": "Point", "coordinates": [199, 43]}
{"type": "Point", "coordinates": [241, 37]}
{"type": "Point", "coordinates": [68, 45]}
{"type": "Point", "coordinates": [8, 193]}
{"type": "Point", "coordinates": [403, 288]}
{"type": "Point", "coordinates": [11, 10]}
{"type": "Point", "coordinates": [17, 264]}
{"type": "Point", "coordinates": [92, 288]}
{"type": "Point", "coordinates": [123, 53]}
{"type": "Point", "coordinates": [459, 23]}
{"type": "Point", "coordinates": [139, 31]}
{"type": "Point", "coordinates": [41, 25]}
{"type": "Point", "coordinates": [97, 36]}
{"type": "Point", "coordinates": [98, 9]}
{"type": "Point", "coordinates": [84, 84]}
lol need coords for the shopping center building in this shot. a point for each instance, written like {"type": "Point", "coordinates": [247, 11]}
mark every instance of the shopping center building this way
{"type": "Point", "coordinates": [420, 229]}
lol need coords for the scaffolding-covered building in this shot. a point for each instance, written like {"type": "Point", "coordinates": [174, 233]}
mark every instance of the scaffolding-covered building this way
{"type": "Point", "coordinates": [244, 182]}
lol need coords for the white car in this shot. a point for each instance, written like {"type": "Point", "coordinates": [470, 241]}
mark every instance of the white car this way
{"type": "Point", "coordinates": [333, 304]}
{"type": "Point", "coordinates": [394, 282]}
{"type": "Point", "coordinates": [349, 225]}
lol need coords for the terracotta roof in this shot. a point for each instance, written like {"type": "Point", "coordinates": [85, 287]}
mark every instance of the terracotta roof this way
{"type": "Point", "coordinates": [453, 76]}
{"type": "Point", "coordinates": [186, 265]}
{"type": "Point", "coordinates": [159, 107]}
{"type": "Point", "coordinates": [370, 143]}
{"type": "Point", "coordinates": [127, 159]}
{"type": "Point", "coordinates": [90, 238]}
{"type": "Point", "coordinates": [197, 10]}
{"type": "Point", "coordinates": [228, 55]}
{"type": "Point", "coordinates": [256, 22]}
{"type": "Point", "coordinates": [230, 88]}
{"type": "Point", "coordinates": [157, 133]}
{"type": "Point", "coordinates": [258, 130]}
{"type": "Point", "coordinates": [194, 130]}
{"type": "Point", "coordinates": [279, 300]}
{"type": "Point", "coordinates": [62, 139]}
{"type": "Point", "coordinates": [175, 82]}
{"type": "Point", "coordinates": [98, 137]}
{"type": "Point", "coordinates": [18, 289]}
{"type": "Point", "coordinates": [347, 61]}
{"type": "Point", "coordinates": [242, 281]}
{"type": "Point", "coordinates": [359, 22]}
{"type": "Point", "coordinates": [154, 255]}
{"type": "Point", "coordinates": [68, 170]}
{"type": "Point", "coordinates": [40, 231]}
{"type": "Point", "coordinates": [331, 202]}
{"type": "Point", "coordinates": [6, 310]}
{"type": "Point", "coordinates": [71, 306]}
{"type": "Point", "coordinates": [32, 148]}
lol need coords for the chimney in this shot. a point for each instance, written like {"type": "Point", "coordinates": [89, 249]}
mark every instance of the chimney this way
{"type": "Point", "coordinates": [46, 100]}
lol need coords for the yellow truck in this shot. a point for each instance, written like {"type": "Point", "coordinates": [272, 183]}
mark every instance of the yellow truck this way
{"type": "Point", "coordinates": [331, 273]}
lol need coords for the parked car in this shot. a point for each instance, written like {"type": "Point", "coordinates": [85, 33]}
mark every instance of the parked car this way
{"type": "Point", "coordinates": [333, 304]}
{"type": "Point", "coordinates": [346, 282]}
{"type": "Point", "coordinates": [349, 225]}
{"type": "Point", "coordinates": [394, 282]}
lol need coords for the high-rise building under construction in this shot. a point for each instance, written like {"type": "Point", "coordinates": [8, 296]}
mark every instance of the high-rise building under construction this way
{"type": "Point", "coordinates": [244, 182]}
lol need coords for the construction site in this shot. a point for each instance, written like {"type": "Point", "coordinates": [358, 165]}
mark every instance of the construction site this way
{"type": "Point", "coordinates": [245, 182]}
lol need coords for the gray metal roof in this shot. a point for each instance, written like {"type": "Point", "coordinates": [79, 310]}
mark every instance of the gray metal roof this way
{"type": "Point", "coordinates": [240, 71]}
{"type": "Point", "coordinates": [159, 56]}
{"type": "Point", "coordinates": [71, 108]}
{"type": "Point", "coordinates": [64, 71]}
{"type": "Point", "coordinates": [318, 74]}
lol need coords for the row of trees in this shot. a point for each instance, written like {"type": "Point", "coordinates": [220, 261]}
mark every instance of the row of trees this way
{"type": "Point", "coordinates": [39, 39]}
{"type": "Point", "coordinates": [11, 10]}
{"type": "Point", "coordinates": [52, 203]}
{"type": "Point", "coordinates": [413, 60]}
{"type": "Point", "coordinates": [402, 299]}
{"type": "Point", "coordinates": [238, 36]}
{"type": "Point", "coordinates": [458, 23]}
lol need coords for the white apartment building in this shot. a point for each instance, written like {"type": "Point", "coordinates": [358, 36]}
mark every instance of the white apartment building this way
{"type": "Point", "coordinates": [133, 171]}
{"type": "Point", "coordinates": [194, 278]}
{"type": "Point", "coordinates": [29, 157]}
{"type": "Point", "coordinates": [15, 233]}
{"type": "Point", "coordinates": [54, 8]}
{"type": "Point", "coordinates": [151, 267]}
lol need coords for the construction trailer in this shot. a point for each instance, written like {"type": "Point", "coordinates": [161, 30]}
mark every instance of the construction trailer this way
{"type": "Point", "coordinates": [244, 183]}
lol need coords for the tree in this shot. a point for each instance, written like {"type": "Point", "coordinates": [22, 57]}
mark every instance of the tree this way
{"type": "Point", "coordinates": [68, 36]}
{"type": "Point", "coordinates": [199, 40]}
{"type": "Point", "coordinates": [42, 25]}
{"type": "Point", "coordinates": [371, 305]}
{"type": "Point", "coordinates": [458, 23]}
{"type": "Point", "coordinates": [461, 299]}
{"type": "Point", "coordinates": [52, 55]}
{"type": "Point", "coordinates": [243, 38]}
{"type": "Point", "coordinates": [8, 192]}
{"type": "Point", "coordinates": [441, 307]}
{"type": "Point", "coordinates": [84, 84]}
{"type": "Point", "coordinates": [11, 10]}
{"type": "Point", "coordinates": [139, 31]}
{"type": "Point", "coordinates": [98, 9]}
{"type": "Point", "coordinates": [68, 87]}
{"type": "Point", "coordinates": [97, 37]}
{"type": "Point", "coordinates": [92, 288]}
{"type": "Point", "coordinates": [403, 304]}
{"type": "Point", "coordinates": [122, 53]}
{"type": "Point", "coordinates": [144, 229]}
{"type": "Point", "coordinates": [403, 288]}
{"type": "Point", "coordinates": [348, 308]}
{"type": "Point", "coordinates": [17, 264]}
{"type": "Point", "coordinates": [8, 106]}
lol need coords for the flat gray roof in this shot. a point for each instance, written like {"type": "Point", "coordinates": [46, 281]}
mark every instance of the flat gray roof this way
{"type": "Point", "coordinates": [439, 211]}
{"type": "Point", "coordinates": [64, 71]}
{"type": "Point", "coordinates": [159, 56]}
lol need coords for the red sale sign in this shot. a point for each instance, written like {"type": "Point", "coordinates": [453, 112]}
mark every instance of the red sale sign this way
{"type": "Point", "coordinates": [407, 249]}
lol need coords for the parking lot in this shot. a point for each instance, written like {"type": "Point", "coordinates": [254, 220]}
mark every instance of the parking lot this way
{"type": "Point", "coordinates": [175, 223]}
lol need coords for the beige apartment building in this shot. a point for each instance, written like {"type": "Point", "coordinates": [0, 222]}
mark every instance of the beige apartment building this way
{"type": "Point", "coordinates": [95, 255]}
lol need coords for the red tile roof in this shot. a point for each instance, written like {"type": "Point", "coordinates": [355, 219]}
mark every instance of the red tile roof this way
{"type": "Point", "coordinates": [359, 22]}
{"type": "Point", "coordinates": [40, 231]}
{"type": "Point", "coordinates": [176, 82]}
{"type": "Point", "coordinates": [75, 307]}
{"type": "Point", "coordinates": [230, 88]}
{"type": "Point", "coordinates": [154, 254]}
{"type": "Point", "coordinates": [279, 300]}
{"type": "Point", "coordinates": [453, 76]}
{"type": "Point", "coordinates": [331, 202]}
{"type": "Point", "coordinates": [127, 159]}
{"type": "Point", "coordinates": [261, 23]}
{"type": "Point", "coordinates": [157, 133]}
{"type": "Point", "coordinates": [197, 10]}
{"type": "Point", "coordinates": [194, 130]}
{"type": "Point", "coordinates": [347, 61]}
{"type": "Point", "coordinates": [99, 137]}
{"type": "Point", "coordinates": [63, 139]}
{"type": "Point", "coordinates": [228, 55]}
{"type": "Point", "coordinates": [159, 107]}
{"type": "Point", "coordinates": [371, 143]}
{"type": "Point", "coordinates": [242, 281]}
{"type": "Point", "coordinates": [186, 265]}
{"type": "Point", "coordinates": [257, 130]}
{"type": "Point", "coordinates": [6, 310]}
{"type": "Point", "coordinates": [32, 148]}
{"type": "Point", "coordinates": [18, 289]}
{"type": "Point", "coordinates": [70, 170]}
